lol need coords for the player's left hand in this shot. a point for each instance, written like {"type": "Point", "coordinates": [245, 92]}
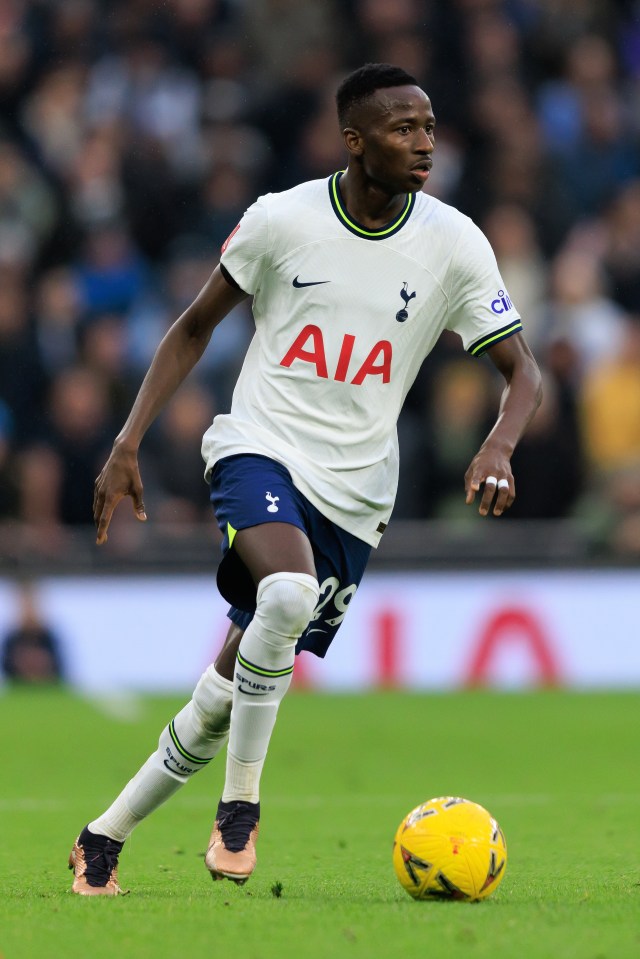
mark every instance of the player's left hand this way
{"type": "Point", "coordinates": [493, 471]}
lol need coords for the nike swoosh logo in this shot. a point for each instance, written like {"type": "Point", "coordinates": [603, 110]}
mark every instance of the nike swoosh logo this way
{"type": "Point", "coordinates": [299, 285]}
{"type": "Point", "coordinates": [247, 693]}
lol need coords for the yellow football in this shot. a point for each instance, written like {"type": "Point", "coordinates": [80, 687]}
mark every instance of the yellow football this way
{"type": "Point", "coordinates": [449, 848]}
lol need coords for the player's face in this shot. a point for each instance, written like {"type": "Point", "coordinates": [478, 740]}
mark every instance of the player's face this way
{"type": "Point", "coordinates": [397, 139]}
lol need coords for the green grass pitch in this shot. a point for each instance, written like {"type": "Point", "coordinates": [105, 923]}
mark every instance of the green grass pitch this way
{"type": "Point", "coordinates": [560, 771]}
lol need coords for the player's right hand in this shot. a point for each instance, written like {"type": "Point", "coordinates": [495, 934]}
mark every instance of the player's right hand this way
{"type": "Point", "coordinates": [120, 477]}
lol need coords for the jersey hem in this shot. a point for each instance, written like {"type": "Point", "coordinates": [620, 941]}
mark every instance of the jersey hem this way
{"type": "Point", "coordinates": [230, 279]}
{"type": "Point", "coordinates": [370, 537]}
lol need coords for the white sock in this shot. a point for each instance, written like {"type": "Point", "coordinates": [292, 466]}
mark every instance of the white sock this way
{"type": "Point", "coordinates": [187, 744]}
{"type": "Point", "coordinates": [285, 604]}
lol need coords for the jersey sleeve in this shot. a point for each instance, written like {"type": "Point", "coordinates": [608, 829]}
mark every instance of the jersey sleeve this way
{"type": "Point", "coordinates": [480, 309]}
{"type": "Point", "coordinates": [245, 253]}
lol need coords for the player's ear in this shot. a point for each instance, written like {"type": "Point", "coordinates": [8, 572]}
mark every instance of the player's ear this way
{"type": "Point", "coordinates": [353, 141]}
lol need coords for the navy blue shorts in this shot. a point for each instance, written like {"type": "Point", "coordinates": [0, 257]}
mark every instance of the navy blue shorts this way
{"type": "Point", "coordinates": [248, 490]}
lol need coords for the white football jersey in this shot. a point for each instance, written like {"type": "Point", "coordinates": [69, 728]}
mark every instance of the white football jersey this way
{"type": "Point", "coordinates": [344, 318]}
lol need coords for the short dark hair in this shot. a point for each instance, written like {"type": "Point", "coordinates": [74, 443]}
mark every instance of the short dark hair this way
{"type": "Point", "coordinates": [360, 84]}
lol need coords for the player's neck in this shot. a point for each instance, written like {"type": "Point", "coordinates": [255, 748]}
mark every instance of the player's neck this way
{"type": "Point", "coordinates": [367, 203]}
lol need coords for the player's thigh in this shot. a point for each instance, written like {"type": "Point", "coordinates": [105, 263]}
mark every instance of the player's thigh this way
{"type": "Point", "coordinates": [226, 658]}
{"type": "Point", "coordinates": [274, 548]}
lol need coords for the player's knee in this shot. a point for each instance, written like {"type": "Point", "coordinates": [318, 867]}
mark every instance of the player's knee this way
{"type": "Point", "coordinates": [285, 603]}
{"type": "Point", "coordinates": [211, 700]}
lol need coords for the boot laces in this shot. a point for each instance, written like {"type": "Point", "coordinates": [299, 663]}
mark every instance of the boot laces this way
{"type": "Point", "coordinates": [101, 860]}
{"type": "Point", "coordinates": [236, 823]}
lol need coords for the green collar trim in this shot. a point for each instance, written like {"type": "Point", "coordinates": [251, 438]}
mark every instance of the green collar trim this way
{"type": "Point", "coordinates": [356, 228]}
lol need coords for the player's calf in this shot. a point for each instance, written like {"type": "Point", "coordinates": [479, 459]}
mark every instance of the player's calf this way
{"type": "Point", "coordinates": [264, 665]}
{"type": "Point", "coordinates": [185, 746]}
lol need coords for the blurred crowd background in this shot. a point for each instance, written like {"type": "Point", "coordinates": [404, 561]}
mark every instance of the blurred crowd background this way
{"type": "Point", "coordinates": [134, 133]}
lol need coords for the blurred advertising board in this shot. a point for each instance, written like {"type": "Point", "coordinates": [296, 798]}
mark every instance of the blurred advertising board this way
{"type": "Point", "coordinates": [417, 630]}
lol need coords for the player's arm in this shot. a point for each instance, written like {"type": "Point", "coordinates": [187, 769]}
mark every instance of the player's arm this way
{"type": "Point", "coordinates": [177, 354]}
{"type": "Point", "coordinates": [520, 399]}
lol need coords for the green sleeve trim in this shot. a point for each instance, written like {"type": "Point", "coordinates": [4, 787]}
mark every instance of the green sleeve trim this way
{"type": "Point", "coordinates": [481, 345]}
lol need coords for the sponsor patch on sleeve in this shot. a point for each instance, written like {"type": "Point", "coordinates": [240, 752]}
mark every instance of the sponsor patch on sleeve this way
{"type": "Point", "coordinates": [229, 238]}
